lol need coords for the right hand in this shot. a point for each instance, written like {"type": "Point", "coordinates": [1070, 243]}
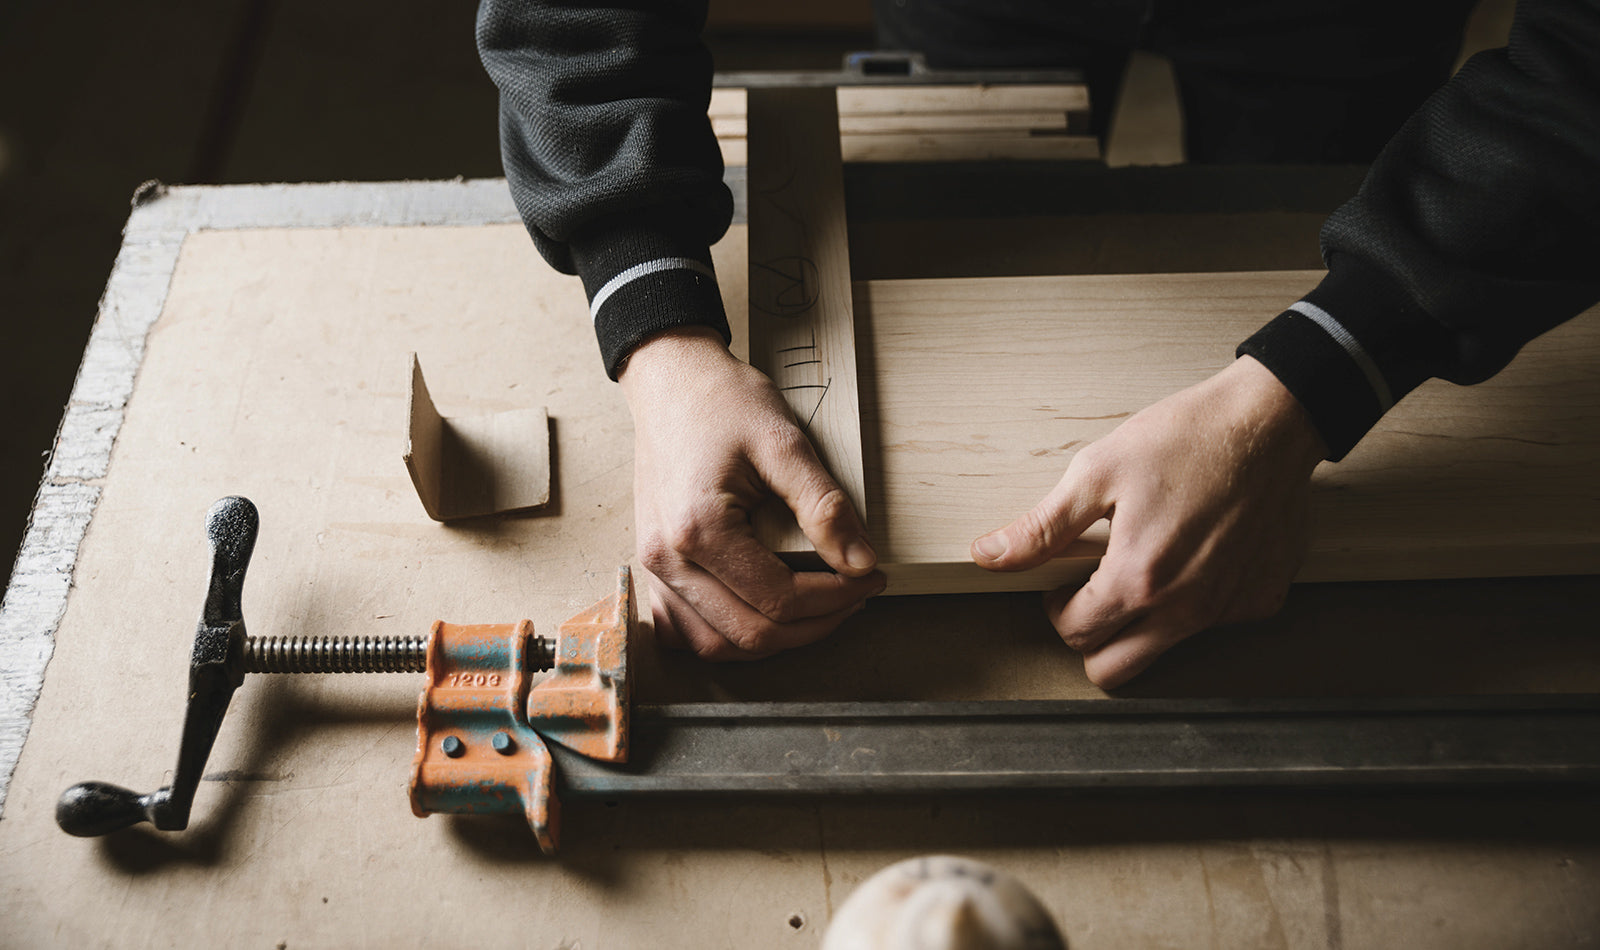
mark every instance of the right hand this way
{"type": "Point", "coordinates": [713, 439]}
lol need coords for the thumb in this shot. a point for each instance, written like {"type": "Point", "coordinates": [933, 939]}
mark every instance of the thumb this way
{"type": "Point", "coordinates": [1071, 507]}
{"type": "Point", "coordinates": [821, 508]}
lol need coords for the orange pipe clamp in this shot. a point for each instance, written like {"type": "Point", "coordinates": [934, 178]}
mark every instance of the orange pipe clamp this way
{"type": "Point", "coordinates": [482, 726]}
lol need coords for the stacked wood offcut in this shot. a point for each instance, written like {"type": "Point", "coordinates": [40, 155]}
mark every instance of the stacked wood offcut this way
{"type": "Point", "coordinates": [940, 123]}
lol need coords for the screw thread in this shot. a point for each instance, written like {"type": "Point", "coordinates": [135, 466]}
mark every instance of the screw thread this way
{"type": "Point", "coordinates": [336, 655]}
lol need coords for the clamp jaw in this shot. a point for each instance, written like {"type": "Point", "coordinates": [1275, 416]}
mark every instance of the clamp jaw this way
{"type": "Point", "coordinates": [482, 720]}
{"type": "Point", "coordinates": [481, 727]}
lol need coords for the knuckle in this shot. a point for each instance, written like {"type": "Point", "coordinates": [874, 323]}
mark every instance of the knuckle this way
{"type": "Point", "coordinates": [708, 649]}
{"type": "Point", "coordinates": [655, 553]}
{"type": "Point", "coordinates": [680, 535]}
{"type": "Point", "coordinates": [687, 530]}
{"type": "Point", "coordinates": [783, 440]}
{"type": "Point", "coordinates": [1090, 463]}
{"type": "Point", "coordinates": [751, 638]}
{"type": "Point", "coordinates": [1139, 588]}
{"type": "Point", "coordinates": [779, 609]}
{"type": "Point", "coordinates": [1079, 640]}
{"type": "Point", "coordinates": [831, 505]}
{"type": "Point", "coordinates": [1038, 529]}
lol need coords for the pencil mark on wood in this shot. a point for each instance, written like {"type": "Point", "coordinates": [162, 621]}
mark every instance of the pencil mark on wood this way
{"type": "Point", "coordinates": [823, 395]}
{"type": "Point", "coordinates": [784, 286]}
{"type": "Point", "coordinates": [802, 363]}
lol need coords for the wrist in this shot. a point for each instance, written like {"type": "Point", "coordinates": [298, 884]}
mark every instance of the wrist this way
{"type": "Point", "coordinates": [672, 353]}
{"type": "Point", "coordinates": [1275, 414]}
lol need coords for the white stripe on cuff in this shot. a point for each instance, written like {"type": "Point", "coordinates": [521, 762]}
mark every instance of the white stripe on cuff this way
{"type": "Point", "coordinates": [1352, 346]}
{"type": "Point", "coordinates": [644, 270]}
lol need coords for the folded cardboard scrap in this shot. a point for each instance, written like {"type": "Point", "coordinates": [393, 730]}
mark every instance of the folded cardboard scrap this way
{"type": "Point", "coordinates": [466, 467]}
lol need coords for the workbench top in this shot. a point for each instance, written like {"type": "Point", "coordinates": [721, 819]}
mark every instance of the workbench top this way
{"type": "Point", "coordinates": [255, 341]}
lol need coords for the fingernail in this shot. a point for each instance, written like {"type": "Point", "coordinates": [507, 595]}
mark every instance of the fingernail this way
{"type": "Point", "coordinates": [859, 554]}
{"type": "Point", "coordinates": [881, 586]}
{"type": "Point", "coordinates": [992, 546]}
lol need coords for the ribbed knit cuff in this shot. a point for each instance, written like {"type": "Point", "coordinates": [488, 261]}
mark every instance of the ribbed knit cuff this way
{"type": "Point", "coordinates": [645, 273]}
{"type": "Point", "coordinates": [1349, 350]}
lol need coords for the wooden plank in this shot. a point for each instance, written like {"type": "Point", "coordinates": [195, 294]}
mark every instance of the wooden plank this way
{"type": "Point", "coordinates": [733, 126]}
{"type": "Point", "coordinates": [904, 100]}
{"type": "Point", "coordinates": [969, 147]}
{"type": "Point", "coordinates": [981, 391]}
{"type": "Point", "coordinates": [946, 148]}
{"type": "Point", "coordinates": [891, 100]}
{"type": "Point", "coordinates": [937, 123]}
{"type": "Point", "coordinates": [801, 326]}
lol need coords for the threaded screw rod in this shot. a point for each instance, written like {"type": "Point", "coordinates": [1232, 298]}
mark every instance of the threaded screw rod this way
{"type": "Point", "coordinates": [356, 654]}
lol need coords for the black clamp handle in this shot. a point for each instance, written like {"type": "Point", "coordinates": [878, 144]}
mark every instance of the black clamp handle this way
{"type": "Point", "coordinates": [216, 669]}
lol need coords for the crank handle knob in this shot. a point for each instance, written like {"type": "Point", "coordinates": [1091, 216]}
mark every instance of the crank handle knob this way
{"type": "Point", "coordinates": [91, 809]}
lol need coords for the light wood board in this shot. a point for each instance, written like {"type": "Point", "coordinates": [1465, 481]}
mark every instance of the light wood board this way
{"type": "Point", "coordinates": [937, 123]}
{"type": "Point", "coordinates": [277, 369]}
{"type": "Point", "coordinates": [983, 389]}
{"type": "Point", "coordinates": [800, 328]}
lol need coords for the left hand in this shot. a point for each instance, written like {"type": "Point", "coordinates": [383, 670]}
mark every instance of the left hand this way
{"type": "Point", "coordinates": [1208, 493]}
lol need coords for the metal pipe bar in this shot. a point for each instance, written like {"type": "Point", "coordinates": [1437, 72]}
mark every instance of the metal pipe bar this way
{"type": "Point", "coordinates": [852, 748]}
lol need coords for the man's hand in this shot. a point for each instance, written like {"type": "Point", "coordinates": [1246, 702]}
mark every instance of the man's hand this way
{"type": "Point", "coordinates": [1208, 491]}
{"type": "Point", "coordinates": [713, 439]}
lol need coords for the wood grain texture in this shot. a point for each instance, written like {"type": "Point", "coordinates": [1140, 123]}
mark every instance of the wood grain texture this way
{"type": "Point", "coordinates": [801, 327]}
{"type": "Point", "coordinates": [982, 390]}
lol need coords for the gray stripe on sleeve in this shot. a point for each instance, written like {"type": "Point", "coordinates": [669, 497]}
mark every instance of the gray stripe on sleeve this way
{"type": "Point", "coordinates": [644, 270]}
{"type": "Point", "coordinates": [1352, 346]}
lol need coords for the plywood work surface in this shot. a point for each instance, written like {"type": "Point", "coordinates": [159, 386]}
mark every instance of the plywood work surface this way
{"type": "Point", "coordinates": [278, 370]}
{"type": "Point", "coordinates": [985, 388]}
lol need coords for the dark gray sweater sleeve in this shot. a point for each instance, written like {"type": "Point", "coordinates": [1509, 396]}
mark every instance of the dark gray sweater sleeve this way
{"type": "Point", "coordinates": [1474, 232]}
{"type": "Point", "coordinates": [610, 157]}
